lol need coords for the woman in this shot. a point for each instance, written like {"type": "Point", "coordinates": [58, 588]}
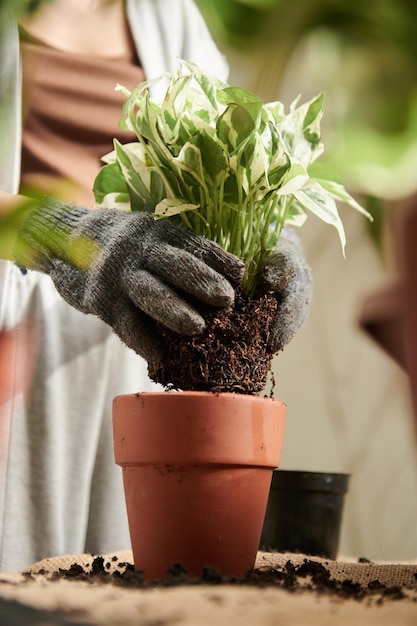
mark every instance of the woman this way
{"type": "Point", "coordinates": [60, 491]}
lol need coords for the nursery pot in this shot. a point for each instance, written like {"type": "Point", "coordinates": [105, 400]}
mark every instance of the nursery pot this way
{"type": "Point", "coordinates": [197, 469]}
{"type": "Point", "coordinates": [304, 512]}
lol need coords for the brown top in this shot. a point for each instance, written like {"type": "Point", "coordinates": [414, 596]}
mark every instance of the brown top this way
{"type": "Point", "coordinates": [71, 114]}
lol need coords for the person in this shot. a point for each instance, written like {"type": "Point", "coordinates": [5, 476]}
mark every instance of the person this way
{"type": "Point", "coordinates": [83, 327]}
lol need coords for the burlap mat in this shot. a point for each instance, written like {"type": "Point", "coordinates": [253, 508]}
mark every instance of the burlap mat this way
{"type": "Point", "coordinates": [283, 589]}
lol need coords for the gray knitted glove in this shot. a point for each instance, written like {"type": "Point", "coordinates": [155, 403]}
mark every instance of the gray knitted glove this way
{"type": "Point", "coordinates": [287, 275]}
{"type": "Point", "coordinates": [128, 269]}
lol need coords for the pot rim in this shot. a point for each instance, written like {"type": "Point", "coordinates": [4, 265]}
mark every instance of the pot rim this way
{"type": "Point", "coordinates": [208, 394]}
{"type": "Point", "coordinates": [303, 480]}
{"type": "Point", "coordinates": [194, 428]}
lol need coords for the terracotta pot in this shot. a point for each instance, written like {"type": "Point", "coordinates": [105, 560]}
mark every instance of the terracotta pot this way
{"type": "Point", "coordinates": [197, 468]}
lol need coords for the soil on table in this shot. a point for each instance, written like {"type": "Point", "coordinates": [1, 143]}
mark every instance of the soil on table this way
{"type": "Point", "coordinates": [231, 354]}
{"type": "Point", "coordinates": [308, 576]}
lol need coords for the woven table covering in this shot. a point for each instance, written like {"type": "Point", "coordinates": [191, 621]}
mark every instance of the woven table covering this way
{"type": "Point", "coordinates": [287, 589]}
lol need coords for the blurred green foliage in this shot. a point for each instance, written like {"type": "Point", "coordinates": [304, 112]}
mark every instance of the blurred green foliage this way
{"type": "Point", "coordinates": [383, 32]}
{"type": "Point", "coordinates": [20, 7]}
{"type": "Point", "coordinates": [10, 222]}
{"type": "Point", "coordinates": [364, 59]}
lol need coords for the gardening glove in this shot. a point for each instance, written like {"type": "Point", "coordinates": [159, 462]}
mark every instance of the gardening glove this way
{"type": "Point", "coordinates": [128, 269]}
{"type": "Point", "coordinates": [287, 276]}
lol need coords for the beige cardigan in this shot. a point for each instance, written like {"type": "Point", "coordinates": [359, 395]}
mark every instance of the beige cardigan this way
{"type": "Point", "coordinates": [60, 491]}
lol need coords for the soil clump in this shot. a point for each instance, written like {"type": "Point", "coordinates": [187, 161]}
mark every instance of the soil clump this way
{"type": "Point", "coordinates": [230, 355]}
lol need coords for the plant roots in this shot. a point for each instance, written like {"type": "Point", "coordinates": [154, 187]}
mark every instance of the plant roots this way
{"type": "Point", "coordinates": [230, 355]}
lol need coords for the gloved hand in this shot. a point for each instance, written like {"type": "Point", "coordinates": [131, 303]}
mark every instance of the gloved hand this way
{"type": "Point", "coordinates": [128, 269]}
{"type": "Point", "coordinates": [287, 275]}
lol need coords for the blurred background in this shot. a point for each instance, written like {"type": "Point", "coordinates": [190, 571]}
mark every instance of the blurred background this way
{"type": "Point", "coordinates": [349, 406]}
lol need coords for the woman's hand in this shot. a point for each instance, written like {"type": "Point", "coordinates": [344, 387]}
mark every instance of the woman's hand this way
{"type": "Point", "coordinates": [287, 276]}
{"type": "Point", "coordinates": [128, 269]}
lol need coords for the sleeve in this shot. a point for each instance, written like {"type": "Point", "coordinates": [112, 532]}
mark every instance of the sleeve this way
{"type": "Point", "coordinates": [167, 30]}
{"type": "Point", "coordinates": [10, 131]}
{"type": "Point", "coordinates": [60, 493]}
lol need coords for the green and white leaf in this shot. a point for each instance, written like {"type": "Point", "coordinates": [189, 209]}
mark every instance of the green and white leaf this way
{"type": "Point", "coordinates": [140, 178]}
{"type": "Point", "coordinates": [338, 192]}
{"type": "Point", "coordinates": [109, 180]}
{"type": "Point", "coordinates": [173, 206]}
{"type": "Point", "coordinates": [300, 130]}
{"type": "Point", "coordinates": [314, 198]}
{"type": "Point", "coordinates": [293, 180]}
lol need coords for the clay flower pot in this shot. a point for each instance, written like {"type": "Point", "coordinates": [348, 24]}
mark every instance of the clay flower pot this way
{"type": "Point", "coordinates": [197, 468]}
{"type": "Point", "coordinates": [304, 512]}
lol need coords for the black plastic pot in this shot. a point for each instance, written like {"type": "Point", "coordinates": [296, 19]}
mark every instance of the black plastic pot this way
{"type": "Point", "coordinates": [304, 512]}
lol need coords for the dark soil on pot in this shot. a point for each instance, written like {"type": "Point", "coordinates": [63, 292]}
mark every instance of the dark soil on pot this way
{"type": "Point", "coordinates": [231, 354]}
